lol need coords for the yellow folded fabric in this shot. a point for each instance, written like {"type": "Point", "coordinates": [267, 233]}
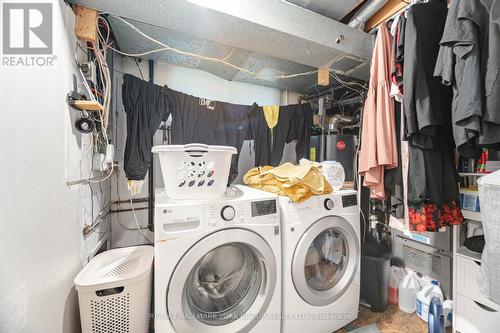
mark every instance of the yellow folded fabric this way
{"type": "Point", "coordinates": [298, 182]}
{"type": "Point", "coordinates": [271, 114]}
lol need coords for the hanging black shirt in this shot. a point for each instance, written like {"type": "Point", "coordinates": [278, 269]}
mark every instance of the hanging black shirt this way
{"type": "Point", "coordinates": [294, 123]}
{"type": "Point", "coordinates": [427, 103]}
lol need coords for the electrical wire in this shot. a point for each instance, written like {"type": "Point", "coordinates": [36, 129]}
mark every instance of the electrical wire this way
{"type": "Point", "coordinates": [138, 227]}
{"type": "Point", "coordinates": [137, 222]}
{"type": "Point", "coordinates": [347, 84]}
{"type": "Point", "coordinates": [356, 168]}
{"type": "Point", "coordinates": [223, 61]}
{"type": "Point", "coordinates": [103, 179]}
{"type": "Point", "coordinates": [138, 67]}
{"type": "Point", "coordinates": [91, 191]}
{"type": "Point", "coordinates": [100, 51]}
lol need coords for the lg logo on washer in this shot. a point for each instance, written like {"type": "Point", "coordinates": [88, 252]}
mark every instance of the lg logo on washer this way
{"type": "Point", "coordinates": [27, 31]}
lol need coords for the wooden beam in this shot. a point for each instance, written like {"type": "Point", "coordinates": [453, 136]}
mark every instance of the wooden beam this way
{"type": "Point", "coordinates": [88, 105]}
{"type": "Point", "coordinates": [85, 27]}
{"type": "Point", "coordinates": [323, 76]}
{"type": "Point", "coordinates": [389, 9]}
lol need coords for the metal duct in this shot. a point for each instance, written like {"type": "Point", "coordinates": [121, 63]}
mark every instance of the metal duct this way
{"type": "Point", "coordinates": [365, 13]}
{"type": "Point", "coordinates": [339, 121]}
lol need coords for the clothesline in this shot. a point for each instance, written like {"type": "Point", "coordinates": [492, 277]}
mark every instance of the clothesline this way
{"type": "Point", "coordinates": [196, 119]}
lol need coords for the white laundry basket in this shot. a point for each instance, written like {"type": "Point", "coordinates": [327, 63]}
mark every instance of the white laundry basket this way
{"type": "Point", "coordinates": [195, 171]}
{"type": "Point", "coordinates": [114, 291]}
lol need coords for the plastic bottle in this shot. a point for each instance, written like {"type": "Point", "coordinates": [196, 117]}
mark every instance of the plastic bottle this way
{"type": "Point", "coordinates": [408, 289]}
{"type": "Point", "coordinates": [396, 274]}
{"type": "Point", "coordinates": [424, 298]}
{"type": "Point", "coordinates": [436, 316]}
{"type": "Point", "coordinates": [448, 312]}
{"type": "Point", "coordinates": [334, 173]}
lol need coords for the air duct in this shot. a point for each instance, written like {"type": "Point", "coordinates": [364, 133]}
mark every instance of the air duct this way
{"type": "Point", "coordinates": [365, 13]}
{"type": "Point", "coordinates": [338, 121]}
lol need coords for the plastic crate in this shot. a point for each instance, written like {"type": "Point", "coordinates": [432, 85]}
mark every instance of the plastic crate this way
{"type": "Point", "coordinates": [195, 171]}
{"type": "Point", "coordinates": [114, 291]}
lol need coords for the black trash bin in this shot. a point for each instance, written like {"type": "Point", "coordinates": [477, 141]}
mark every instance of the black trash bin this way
{"type": "Point", "coordinates": [375, 266]}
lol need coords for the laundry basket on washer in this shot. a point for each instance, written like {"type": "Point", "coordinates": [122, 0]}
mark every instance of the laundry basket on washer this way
{"type": "Point", "coordinates": [114, 291]}
{"type": "Point", "coordinates": [195, 171]}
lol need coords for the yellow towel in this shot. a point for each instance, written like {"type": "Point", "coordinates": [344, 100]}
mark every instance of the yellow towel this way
{"type": "Point", "coordinates": [271, 113]}
{"type": "Point", "coordinates": [299, 182]}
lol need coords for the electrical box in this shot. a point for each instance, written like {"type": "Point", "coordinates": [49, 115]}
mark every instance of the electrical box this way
{"type": "Point", "coordinates": [89, 71]}
{"type": "Point", "coordinates": [99, 162]}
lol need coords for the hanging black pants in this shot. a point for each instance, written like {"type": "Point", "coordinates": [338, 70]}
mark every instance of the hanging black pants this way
{"type": "Point", "coordinates": [145, 104]}
{"type": "Point", "coordinates": [294, 123]}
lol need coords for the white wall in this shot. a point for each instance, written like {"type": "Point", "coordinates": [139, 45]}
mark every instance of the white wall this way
{"type": "Point", "coordinates": [41, 243]}
{"type": "Point", "coordinates": [197, 83]}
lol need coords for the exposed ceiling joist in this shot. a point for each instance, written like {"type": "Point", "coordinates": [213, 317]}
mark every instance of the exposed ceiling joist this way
{"type": "Point", "coordinates": [272, 27]}
{"type": "Point", "coordinates": [269, 30]}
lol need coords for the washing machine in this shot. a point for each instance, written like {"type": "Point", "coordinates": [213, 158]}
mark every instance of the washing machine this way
{"type": "Point", "coordinates": [218, 263]}
{"type": "Point", "coordinates": [321, 262]}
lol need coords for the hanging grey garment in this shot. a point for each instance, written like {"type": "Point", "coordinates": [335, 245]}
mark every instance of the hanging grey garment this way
{"type": "Point", "coordinates": [146, 106]}
{"type": "Point", "coordinates": [400, 47]}
{"type": "Point", "coordinates": [471, 21]}
{"type": "Point", "coordinates": [488, 279]}
{"type": "Point", "coordinates": [459, 65]}
{"type": "Point", "coordinates": [427, 103]}
{"type": "Point", "coordinates": [495, 12]}
{"type": "Point", "coordinates": [393, 178]}
{"type": "Point", "coordinates": [491, 47]}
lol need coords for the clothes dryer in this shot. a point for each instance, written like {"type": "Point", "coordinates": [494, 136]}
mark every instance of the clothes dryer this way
{"type": "Point", "coordinates": [321, 262]}
{"type": "Point", "coordinates": [218, 263]}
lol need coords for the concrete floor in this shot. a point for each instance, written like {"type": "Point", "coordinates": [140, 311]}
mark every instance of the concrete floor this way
{"type": "Point", "coordinates": [392, 320]}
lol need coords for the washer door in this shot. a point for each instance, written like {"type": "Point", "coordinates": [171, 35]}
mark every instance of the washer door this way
{"type": "Point", "coordinates": [224, 283]}
{"type": "Point", "coordinates": [325, 260]}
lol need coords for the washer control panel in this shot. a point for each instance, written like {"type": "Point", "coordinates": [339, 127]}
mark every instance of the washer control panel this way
{"type": "Point", "coordinates": [349, 200]}
{"type": "Point", "coordinates": [237, 212]}
{"type": "Point", "coordinates": [178, 218]}
{"type": "Point", "coordinates": [263, 207]}
{"type": "Point", "coordinates": [315, 207]}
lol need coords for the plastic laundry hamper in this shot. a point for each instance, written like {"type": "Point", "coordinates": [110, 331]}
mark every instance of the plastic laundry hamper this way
{"type": "Point", "coordinates": [114, 291]}
{"type": "Point", "coordinates": [195, 171]}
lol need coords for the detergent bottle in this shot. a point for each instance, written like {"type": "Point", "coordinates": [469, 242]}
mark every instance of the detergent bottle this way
{"type": "Point", "coordinates": [424, 298]}
{"type": "Point", "coordinates": [437, 318]}
{"type": "Point", "coordinates": [408, 289]}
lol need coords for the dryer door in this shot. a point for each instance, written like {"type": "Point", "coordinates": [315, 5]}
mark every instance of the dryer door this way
{"type": "Point", "coordinates": [325, 260]}
{"type": "Point", "coordinates": [224, 283]}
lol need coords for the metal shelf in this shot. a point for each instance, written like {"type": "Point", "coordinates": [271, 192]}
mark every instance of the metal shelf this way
{"type": "Point", "coordinates": [465, 252]}
{"type": "Point", "coordinates": [470, 215]}
{"type": "Point", "coordinates": [471, 174]}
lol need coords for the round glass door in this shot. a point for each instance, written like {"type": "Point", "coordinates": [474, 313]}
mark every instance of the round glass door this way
{"type": "Point", "coordinates": [223, 284]}
{"type": "Point", "coordinates": [325, 260]}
